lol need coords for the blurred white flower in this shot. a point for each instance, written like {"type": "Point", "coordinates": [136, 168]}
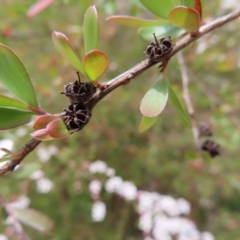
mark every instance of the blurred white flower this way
{"type": "Point", "coordinates": [97, 167]}
{"type": "Point", "coordinates": [207, 236]}
{"type": "Point", "coordinates": [6, 143]}
{"type": "Point", "coordinates": [127, 190]}
{"type": "Point", "coordinates": [37, 175]}
{"type": "Point", "coordinates": [20, 132]}
{"type": "Point", "coordinates": [168, 205]}
{"type": "Point", "coordinates": [146, 200]}
{"type": "Point", "coordinates": [148, 238]}
{"type": "Point", "coordinates": [183, 206]}
{"type": "Point", "coordinates": [113, 184]}
{"type": "Point", "coordinates": [44, 185]}
{"type": "Point", "coordinates": [229, 4]}
{"type": "Point", "coordinates": [3, 237]}
{"type": "Point", "coordinates": [146, 222]}
{"type": "Point", "coordinates": [45, 153]}
{"type": "Point", "coordinates": [95, 187]}
{"type": "Point", "coordinates": [110, 172]}
{"type": "Point", "coordinates": [98, 211]}
{"type": "Point", "coordinates": [21, 203]}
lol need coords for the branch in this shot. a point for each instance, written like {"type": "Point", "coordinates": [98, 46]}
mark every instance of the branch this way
{"type": "Point", "coordinates": [126, 77]}
{"type": "Point", "coordinates": [187, 99]}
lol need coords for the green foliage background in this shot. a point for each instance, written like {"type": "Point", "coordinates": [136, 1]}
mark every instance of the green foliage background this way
{"type": "Point", "coordinates": [157, 160]}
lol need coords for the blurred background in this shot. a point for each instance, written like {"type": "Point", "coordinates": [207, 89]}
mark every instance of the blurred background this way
{"type": "Point", "coordinates": [55, 179]}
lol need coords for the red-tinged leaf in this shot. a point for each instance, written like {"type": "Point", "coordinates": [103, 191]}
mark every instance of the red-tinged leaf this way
{"type": "Point", "coordinates": [12, 103]}
{"type": "Point", "coordinates": [57, 129]}
{"type": "Point", "coordinates": [146, 123]}
{"type": "Point", "coordinates": [135, 22]}
{"type": "Point", "coordinates": [160, 8]}
{"type": "Point", "coordinates": [176, 103]}
{"type": "Point", "coordinates": [14, 77]}
{"type": "Point", "coordinates": [42, 121]}
{"type": "Point", "coordinates": [95, 64]}
{"type": "Point", "coordinates": [64, 47]}
{"type": "Point", "coordinates": [90, 29]}
{"type": "Point", "coordinates": [38, 7]}
{"type": "Point", "coordinates": [198, 8]}
{"type": "Point", "coordinates": [41, 135]}
{"type": "Point", "coordinates": [185, 17]}
{"type": "Point", "coordinates": [155, 99]}
{"type": "Point", "coordinates": [11, 118]}
{"type": "Point", "coordinates": [34, 219]}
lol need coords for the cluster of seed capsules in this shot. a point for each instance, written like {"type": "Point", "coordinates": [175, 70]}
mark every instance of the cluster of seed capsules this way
{"type": "Point", "coordinates": [77, 114]}
{"type": "Point", "coordinates": [158, 48]}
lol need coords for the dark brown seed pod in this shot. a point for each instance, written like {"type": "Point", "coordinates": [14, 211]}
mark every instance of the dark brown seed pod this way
{"type": "Point", "coordinates": [211, 147]}
{"type": "Point", "coordinates": [76, 116]}
{"type": "Point", "coordinates": [205, 130]}
{"type": "Point", "coordinates": [155, 50]}
{"type": "Point", "coordinates": [79, 91]}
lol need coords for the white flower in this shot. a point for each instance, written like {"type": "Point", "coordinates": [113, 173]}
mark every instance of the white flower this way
{"type": "Point", "coordinates": [113, 184]}
{"type": "Point", "coordinates": [168, 205]}
{"type": "Point", "coordinates": [207, 236]}
{"type": "Point", "coordinates": [44, 185]}
{"type": "Point", "coordinates": [146, 200]}
{"type": "Point", "coordinates": [6, 143]}
{"type": "Point", "coordinates": [45, 153]}
{"type": "Point", "coordinates": [3, 237]}
{"type": "Point", "coordinates": [98, 211]}
{"type": "Point", "coordinates": [183, 206]}
{"type": "Point", "coordinates": [98, 167]}
{"type": "Point", "coordinates": [21, 203]}
{"type": "Point", "coordinates": [37, 175]}
{"type": "Point", "coordinates": [110, 172]}
{"type": "Point", "coordinates": [146, 222]}
{"type": "Point", "coordinates": [95, 187]}
{"type": "Point", "coordinates": [128, 190]}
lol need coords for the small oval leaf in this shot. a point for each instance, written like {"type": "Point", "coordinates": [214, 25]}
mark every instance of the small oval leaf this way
{"type": "Point", "coordinates": [155, 99]}
{"type": "Point", "coordinates": [12, 103]}
{"type": "Point", "coordinates": [176, 103]}
{"type": "Point", "coordinates": [95, 64]}
{"type": "Point", "coordinates": [11, 118]}
{"type": "Point", "coordinates": [160, 8]}
{"type": "Point", "coordinates": [14, 77]}
{"type": "Point", "coordinates": [34, 219]}
{"type": "Point", "coordinates": [146, 123]}
{"type": "Point", "coordinates": [165, 30]}
{"type": "Point", "coordinates": [64, 47]}
{"type": "Point", "coordinates": [185, 17]}
{"type": "Point", "coordinates": [135, 22]}
{"type": "Point", "coordinates": [90, 29]}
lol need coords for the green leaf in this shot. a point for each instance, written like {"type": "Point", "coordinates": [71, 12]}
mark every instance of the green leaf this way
{"type": "Point", "coordinates": [34, 219]}
{"type": "Point", "coordinates": [160, 8]}
{"type": "Point", "coordinates": [90, 29]}
{"type": "Point", "coordinates": [155, 99]}
{"type": "Point", "coordinates": [135, 22]}
{"type": "Point", "coordinates": [64, 47]}
{"type": "Point", "coordinates": [11, 118]}
{"type": "Point", "coordinates": [176, 103]}
{"type": "Point", "coordinates": [185, 17]}
{"type": "Point", "coordinates": [146, 123]}
{"type": "Point", "coordinates": [12, 103]}
{"type": "Point", "coordinates": [95, 64]}
{"type": "Point", "coordinates": [26, 170]}
{"type": "Point", "coordinates": [165, 30]}
{"type": "Point", "coordinates": [14, 77]}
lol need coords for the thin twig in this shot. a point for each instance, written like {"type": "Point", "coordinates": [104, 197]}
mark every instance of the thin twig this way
{"type": "Point", "coordinates": [126, 77]}
{"type": "Point", "coordinates": [187, 99]}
